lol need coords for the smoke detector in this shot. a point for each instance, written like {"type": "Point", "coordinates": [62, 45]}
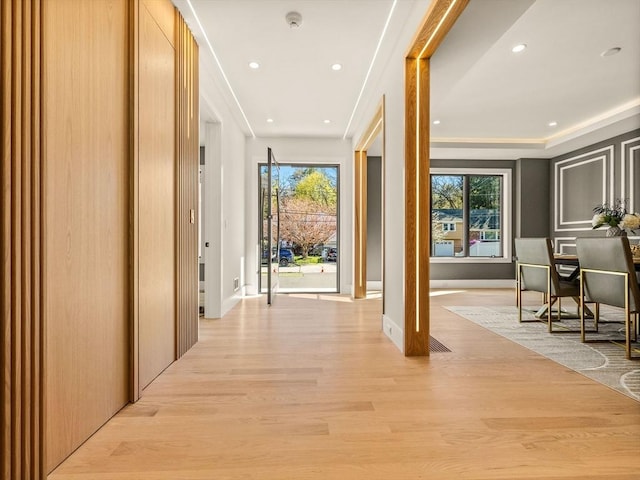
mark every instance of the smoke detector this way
{"type": "Point", "coordinates": [294, 19]}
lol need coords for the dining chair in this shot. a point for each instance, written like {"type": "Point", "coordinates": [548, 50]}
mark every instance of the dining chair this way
{"type": "Point", "coordinates": [608, 276]}
{"type": "Point", "coordinates": [536, 271]}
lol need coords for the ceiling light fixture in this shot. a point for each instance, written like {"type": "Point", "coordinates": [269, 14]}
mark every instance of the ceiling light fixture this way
{"type": "Point", "coordinates": [436, 122]}
{"type": "Point", "coordinates": [611, 51]}
{"type": "Point", "coordinates": [327, 121]}
{"type": "Point", "coordinates": [373, 60]}
{"type": "Point", "coordinates": [553, 124]}
{"type": "Point", "coordinates": [519, 48]}
{"type": "Point", "coordinates": [269, 120]}
{"type": "Point", "coordinates": [254, 65]}
{"type": "Point", "coordinates": [336, 67]}
{"type": "Point", "coordinates": [294, 19]}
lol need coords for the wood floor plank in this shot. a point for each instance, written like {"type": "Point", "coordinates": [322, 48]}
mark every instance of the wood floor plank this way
{"type": "Point", "coordinates": [312, 389]}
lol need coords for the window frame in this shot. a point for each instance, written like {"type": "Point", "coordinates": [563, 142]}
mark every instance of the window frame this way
{"type": "Point", "coordinates": [507, 209]}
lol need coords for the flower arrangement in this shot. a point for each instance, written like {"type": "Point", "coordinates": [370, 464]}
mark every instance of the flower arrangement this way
{"type": "Point", "coordinates": [615, 216]}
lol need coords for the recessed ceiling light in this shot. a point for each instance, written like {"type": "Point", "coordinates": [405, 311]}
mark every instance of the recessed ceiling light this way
{"type": "Point", "coordinates": [336, 67]}
{"type": "Point", "coordinates": [254, 65]}
{"type": "Point", "coordinates": [553, 124]}
{"type": "Point", "coordinates": [519, 48]}
{"type": "Point", "coordinates": [327, 121]}
{"type": "Point", "coordinates": [436, 122]}
{"type": "Point", "coordinates": [269, 120]}
{"type": "Point", "coordinates": [611, 51]}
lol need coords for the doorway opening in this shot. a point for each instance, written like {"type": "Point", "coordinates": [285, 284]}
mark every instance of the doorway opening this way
{"type": "Point", "coordinates": [305, 253]}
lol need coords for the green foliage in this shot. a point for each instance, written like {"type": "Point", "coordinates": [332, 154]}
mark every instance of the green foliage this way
{"type": "Point", "coordinates": [446, 191]}
{"type": "Point", "coordinates": [484, 192]}
{"type": "Point", "coordinates": [317, 187]}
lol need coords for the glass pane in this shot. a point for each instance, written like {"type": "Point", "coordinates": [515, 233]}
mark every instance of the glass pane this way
{"type": "Point", "coordinates": [309, 257]}
{"type": "Point", "coordinates": [447, 229]}
{"type": "Point", "coordinates": [485, 216]}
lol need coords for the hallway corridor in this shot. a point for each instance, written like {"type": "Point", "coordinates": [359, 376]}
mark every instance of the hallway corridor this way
{"type": "Point", "coordinates": [312, 389]}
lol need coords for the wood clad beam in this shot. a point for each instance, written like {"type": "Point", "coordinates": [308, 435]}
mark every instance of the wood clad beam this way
{"type": "Point", "coordinates": [360, 275]}
{"type": "Point", "coordinates": [439, 19]}
{"type": "Point", "coordinates": [21, 227]}
{"type": "Point", "coordinates": [375, 128]}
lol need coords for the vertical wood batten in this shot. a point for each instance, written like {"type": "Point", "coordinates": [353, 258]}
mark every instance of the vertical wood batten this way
{"type": "Point", "coordinates": [5, 238]}
{"type": "Point", "coordinates": [21, 354]}
{"type": "Point", "coordinates": [187, 158]}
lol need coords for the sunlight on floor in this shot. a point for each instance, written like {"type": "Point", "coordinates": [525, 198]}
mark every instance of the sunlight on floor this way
{"type": "Point", "coordinates": [439, 293]}
{"type": "Point", "coordinates": [318, 296]}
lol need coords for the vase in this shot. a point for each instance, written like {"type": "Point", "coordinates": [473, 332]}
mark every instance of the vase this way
{"type": "Point", "coordinates": [616, 232]}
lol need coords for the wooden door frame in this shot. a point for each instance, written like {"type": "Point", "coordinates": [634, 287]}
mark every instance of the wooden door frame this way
{"type": "Point", "coordinates": [375, 128]}
{"type": "Point", "coordinates": [438, 20]}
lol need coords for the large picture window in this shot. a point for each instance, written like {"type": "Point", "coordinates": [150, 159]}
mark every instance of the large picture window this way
{"type": "Point", "coordinates": [470, 212]}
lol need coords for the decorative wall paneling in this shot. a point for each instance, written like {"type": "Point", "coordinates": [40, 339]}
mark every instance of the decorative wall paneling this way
{"type": "Point", "coordinates": [155, 254]}
{"type": "Point", "coordinates": [580, 183]}
{"type": "Point", "coordinates": [188, 164]}
{"type": "Point", "coordinates": [439, 19]}
{"type": "Point", "coordinates": [630, 170]}
{"type": "Point", "coordinates": [599, 173]}
{"type": "Point", "coordinates": [21, 225]}
{"type": "Point", "coordinates": [69, 132]}
{"type": "Point", "coordinates": [85, 125]}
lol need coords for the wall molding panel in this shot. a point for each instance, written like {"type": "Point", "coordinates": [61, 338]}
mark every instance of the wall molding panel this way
{"type": "Point", "coordinates": [599, 173]}
{"type": "Point", "coordinates": [630, 172]}
{"type": "Point", "coordinates": [601, 186]}
{"type": "Point", "coordinates": [21, 249]}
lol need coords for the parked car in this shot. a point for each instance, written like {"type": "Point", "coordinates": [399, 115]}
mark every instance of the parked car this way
{"type": "Point", "coordinates": [286, 257]}
{"type": "Point", "coordinates": [332, 255]}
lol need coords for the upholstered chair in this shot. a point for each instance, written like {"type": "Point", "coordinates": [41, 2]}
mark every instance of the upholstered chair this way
{"type": "Point", "coordinates": [608, 276]}
{"type": "Point", "coordinates": [536, 271]}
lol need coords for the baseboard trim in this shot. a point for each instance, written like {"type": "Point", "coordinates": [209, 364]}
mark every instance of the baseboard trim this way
{"type": "Point", "coordinates": [472, 284]}
{"type": "Point", "coordinates": [392, 330]}
{"type": "Point", "coordinates": [229, 303]}
{"type": "Point", "coordinates": [374, 285]}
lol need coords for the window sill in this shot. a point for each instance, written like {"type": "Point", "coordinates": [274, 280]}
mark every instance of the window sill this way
{"type": "Point", "coordinates": [470, 260]}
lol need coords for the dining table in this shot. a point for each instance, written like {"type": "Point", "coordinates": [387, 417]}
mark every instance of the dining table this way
{"type": "Point", "coordinates": [571, 260]}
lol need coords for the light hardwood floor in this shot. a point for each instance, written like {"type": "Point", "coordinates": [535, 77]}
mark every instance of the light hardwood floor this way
{"type": "Point", "coordinates": [311, 389]}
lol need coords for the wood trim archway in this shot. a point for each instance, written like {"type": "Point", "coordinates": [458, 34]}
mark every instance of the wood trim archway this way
{"type": "Point", "coordinates": [438, 20]}
{"type": "Point", "coordinates": [375, 128]}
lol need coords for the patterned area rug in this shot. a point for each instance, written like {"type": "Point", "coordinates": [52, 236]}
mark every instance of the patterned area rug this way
{"type": "Point", "coordinates": [604, 362]}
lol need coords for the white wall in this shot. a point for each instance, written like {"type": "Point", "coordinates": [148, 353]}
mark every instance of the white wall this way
{"type": "Point", "coordinates": [391, 86]}
{"type": "Point", "coordinates": [223, 197]}
{"type": "Point", "coordinates": [299, 150]}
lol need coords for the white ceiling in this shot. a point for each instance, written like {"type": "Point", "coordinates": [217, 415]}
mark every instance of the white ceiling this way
{"type": "Point", "coordinates": [491, 102]}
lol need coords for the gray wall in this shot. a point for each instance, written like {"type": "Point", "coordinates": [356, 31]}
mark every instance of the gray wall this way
{"type": "Point", "coordinates": [584, 178]}
{"type": "Point", "coordinates": [555, 197]}
{"type": "Point", "coordinates": [374, 219]}
{"type": "Point", "coordinates": [476, 271]}
{"type": "Point", "coordinates": [532, 198]}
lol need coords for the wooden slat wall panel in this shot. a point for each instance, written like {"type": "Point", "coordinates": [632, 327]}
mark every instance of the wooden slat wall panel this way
{"type": "Point", "coordinates": [21, 226]}
{"type": "Point", "coordinates": [86, 153]}
{"type": "Point", "coordinates": [187, 156]}
{"type": "Point", "coordinates": [156, 251]}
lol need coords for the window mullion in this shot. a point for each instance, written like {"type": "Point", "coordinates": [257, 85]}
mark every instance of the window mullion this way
{"type": "Point", "coordinates": [465, 216]}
